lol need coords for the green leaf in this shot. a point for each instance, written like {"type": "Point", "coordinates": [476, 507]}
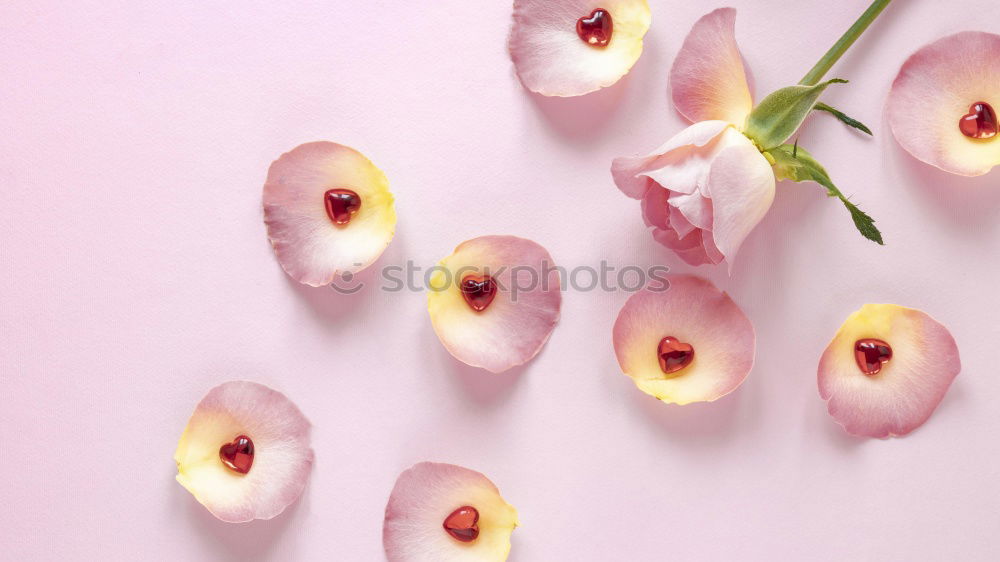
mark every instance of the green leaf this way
{"type": "Point", "coordinates": [849, 121]}
{"type": "Point", "coordinates": [794, 163]}
{"type": "Point", "coordinates": [778, 116]}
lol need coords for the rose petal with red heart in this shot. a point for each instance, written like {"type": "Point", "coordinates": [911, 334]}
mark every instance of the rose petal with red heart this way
{"type": "Point", "coordinates": [245, 452]}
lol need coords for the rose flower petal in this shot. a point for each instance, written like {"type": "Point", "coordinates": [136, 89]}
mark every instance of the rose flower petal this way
{"type": "Point", "coordinates": [281, 457]}
{"type": "Point", "coordinates": [633, 174]}
{"type": "Point", "coordinates": [935, 89]}
{"type": "Point", "coordinates": [687, 343]}
{"type": "Point", "coordinates": [424, 498]}
{"type": "Point", "coordinates": [707, 79]}
{"type": "Point", "coordinates": [912, 372]}
{"type": "Point", "coordinates": [741, 188]}
{"type": "Point", "coordinates": [517, 317]}
{"type": "Point", "coordinates": [311, 247]}
{"type": "Point", "coordinates": [553, 59]}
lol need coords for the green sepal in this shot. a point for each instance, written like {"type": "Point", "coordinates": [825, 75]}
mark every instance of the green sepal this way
{"type": "Point", "coordinates": [778, 116]}
{"type": "Point", "coordinates": [847, 120]}
{"type": "Point", "coordinates": [796, 164]}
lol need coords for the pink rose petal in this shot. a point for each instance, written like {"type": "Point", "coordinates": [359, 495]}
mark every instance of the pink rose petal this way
{"type": "Point", "coordinates": [282, 460]}
{"type": "Point", "coordinates": [689, 248]}
{"type": "Point", "coordinates": [741, 182]}
{"type": "Point", "coordinates": [696, 208]}
{"type": "Point", "coordinates": [711, 249]}
{"type": "Point", "coordinates": [424, 496]}
{"type": "Point", "coordinates": [693, 311]}
{"type": "Point", "coordinates": [634, 175]}
{"type": "Point", "coordinates": [551, 59]}
{"type": "Point", "coordinates": [310, 247]}
{"type": "Point", "coordinates": [678, 222]}
{"type": "Point", "coordinates": [934, 89]}
{"type": "Point", "coordinates": [900, 397]}
{"type": "Point", "coordinates": [522, 315]}
{"type": "Point", "coordinates": [707, 80]}
{"type": "Point", "coordinates": [657, 212]}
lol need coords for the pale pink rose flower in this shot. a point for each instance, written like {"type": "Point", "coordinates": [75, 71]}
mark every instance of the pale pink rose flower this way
{"type": "Point", "coordinates": [706, 188]}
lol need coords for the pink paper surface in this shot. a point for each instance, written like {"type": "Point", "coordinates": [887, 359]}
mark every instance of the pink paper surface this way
{"type": "Point", "coordinates": [134, 142]}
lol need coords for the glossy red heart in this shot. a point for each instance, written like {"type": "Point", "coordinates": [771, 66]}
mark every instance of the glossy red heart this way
{"type": "Point", "coordinates": [980, 122]}
{"type": "Point", "coordinates": [596, 28]}
{"type": "Point", "coordinates": [479, 291]}
{"type": "Point", "coordinates": [341, 205]}
{"type": "Point", "coordinates": [871, 354]}
{"type": "Point", "coordinates": [463, 524]}
{"type": "Point", "coordinates": [674, 355]}
{"type": "Point", "coordinates": [238, 455]}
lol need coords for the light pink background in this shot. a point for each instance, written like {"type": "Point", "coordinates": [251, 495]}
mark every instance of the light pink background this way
{"type": "Point", "coordinates": [134, 141]}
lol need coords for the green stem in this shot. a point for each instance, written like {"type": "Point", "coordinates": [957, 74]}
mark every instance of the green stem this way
{"type": "Point", "coordinates": [844, 43]}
